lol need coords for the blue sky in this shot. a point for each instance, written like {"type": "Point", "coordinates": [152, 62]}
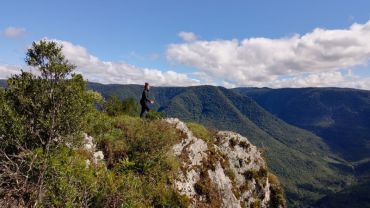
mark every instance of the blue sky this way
{"type": "Point", "coordinates": [143, 37]}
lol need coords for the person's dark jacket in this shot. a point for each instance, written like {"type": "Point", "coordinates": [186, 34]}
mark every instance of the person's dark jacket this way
{"type": "Point", "coordinates": [144, 97]}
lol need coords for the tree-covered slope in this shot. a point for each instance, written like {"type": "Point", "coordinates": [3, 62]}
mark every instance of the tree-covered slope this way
{"type": "Point", "coordinates": [355, 197]}
{"type": "Point", "coordinates": [340, 116]}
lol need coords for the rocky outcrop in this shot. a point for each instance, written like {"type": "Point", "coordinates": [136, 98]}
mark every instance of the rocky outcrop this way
{"type": "Point", "coordinates": [226, 171]}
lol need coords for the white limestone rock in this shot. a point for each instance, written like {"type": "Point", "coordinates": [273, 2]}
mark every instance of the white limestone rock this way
{"type": "Point", "coordinates": [229, 165]}
{"type": "Point", "coordinates": [90, 146]}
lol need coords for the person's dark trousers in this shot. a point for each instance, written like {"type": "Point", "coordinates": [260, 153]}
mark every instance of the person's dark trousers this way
{"type": "Point", "coordinates": [144, 109]}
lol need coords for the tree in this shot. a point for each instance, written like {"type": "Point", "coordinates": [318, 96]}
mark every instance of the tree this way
{"type": "Point", "coordinates": [38, 113]}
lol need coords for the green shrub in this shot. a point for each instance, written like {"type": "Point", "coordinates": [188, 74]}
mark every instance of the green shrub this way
{"type": "Point", "coordinates": [69, 182]}
{"type": "Point", "coordinates": [171, 199]}
{"type": "Point", "coordinates": [131, 107]}
{"type": "Point", "coordinates": [114, 106]}
{"type": "Point", "coordinates": [154, 115]}
{"type": "Point", "coordinates": [140, 151]}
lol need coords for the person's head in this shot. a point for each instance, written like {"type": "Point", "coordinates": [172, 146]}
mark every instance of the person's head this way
{"type": "Point", "coordinates": [146, 86]}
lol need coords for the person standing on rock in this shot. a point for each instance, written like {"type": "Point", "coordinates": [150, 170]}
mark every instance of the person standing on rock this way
{"type": "Point", "coordinates": [144, 101]}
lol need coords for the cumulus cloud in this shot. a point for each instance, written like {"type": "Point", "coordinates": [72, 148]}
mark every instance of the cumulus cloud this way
{"type": "Point", "coordinates": [187, 36]}
{"type": "Point", "coordinates": [321, 58]}
{"type": "Point", "coordinates": [14, 32]}
{"type": "Point", "coordinates": [97, 70]}
{"type": "Point", "coordinates": [7, 70]}
{"type": "Point", "coordinates": [312, 59]}
{"type": "Point", "coordinates": [107, 72]}
{"type": "Point", "coordinates": [323, 79]}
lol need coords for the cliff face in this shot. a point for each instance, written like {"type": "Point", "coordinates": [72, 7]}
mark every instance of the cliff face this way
{"type": "Point", "coordinates": [225, 171]}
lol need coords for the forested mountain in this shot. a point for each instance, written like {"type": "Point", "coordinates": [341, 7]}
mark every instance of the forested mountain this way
{"type": "Point", "coordinates": [340, 116]}
{"type": "Point", "coordinates": [356, 196]}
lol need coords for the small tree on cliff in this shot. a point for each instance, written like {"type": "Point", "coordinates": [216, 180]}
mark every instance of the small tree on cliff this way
{"type": "Point", "coordinates": [38, 113]}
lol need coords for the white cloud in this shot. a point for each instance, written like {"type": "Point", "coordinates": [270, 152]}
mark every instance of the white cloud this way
{"type": "Point", "coordinates": [7, 70]}
{"type": "Point", "coordinates": [187, 36]}
{"type": "Point", "coordinates": [119, 72]}
{"type": "Point", "coordinates": [312, 59]}
{"type": "Point", "coordinates": [14, 32]}
{"type": "Point", "coordinates": [107, 72]}
{"type": "Point", "coordinates": [315, 59]}
{"type": "Point", "coordinates": [324, 79]}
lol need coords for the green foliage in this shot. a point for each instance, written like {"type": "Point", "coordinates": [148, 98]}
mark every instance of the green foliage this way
{"type": "Point", "coordinates": [11, 127]}
{"type": "Point", "coordinates": [131, 106]}
{"type": "Point", "coordinates": [356, 196]}
{"type": "Point", "coordinates": [139, 160]}
{"type": "Point", "coordinates": [49, 107]}
{"type": "Point", "coordinates": [48, 58]}
{"type": "Point", "coordinates": [153, 115]}
{"type": "Point", "coordinates": [39, 113]}
{"type": "Point", "coordinates": [113, 106]}
{"type": "Point", "coordinates": [171, 199]}
{"type": "Point", "coordinates": [69, 182]}
{"type": "Point", "coordinates": [200, 131]}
